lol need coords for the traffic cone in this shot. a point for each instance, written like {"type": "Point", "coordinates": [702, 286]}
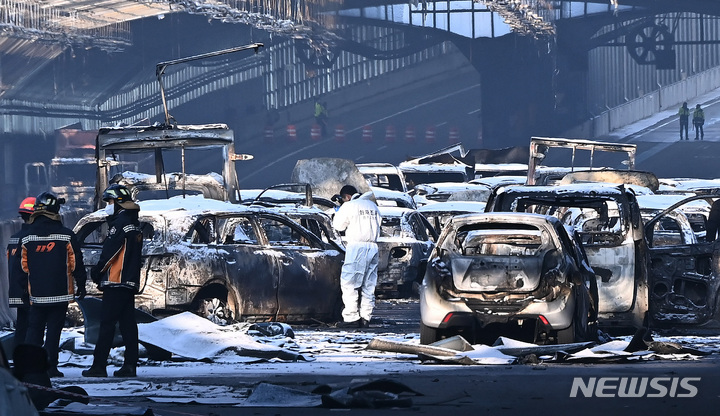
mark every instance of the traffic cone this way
{"type": "Point", "coordinates": [291, 133]}
{"type": "Point", "coordinates": [367, 134]}
{"type": "Point", "coordinates": [454, 136]}
{"type": "Point", "coordinates": [339, 133]}
{"type": "Point", "coordinates": [315, 132]}
{"type": "Point", "coordinates": [269, 134]}
{"type": "Point", "coordinates": [410, 134]}
{"type": "Point", "coordinates": [430, 134]}
{"type": "Point", "coordinates": [390, 134]}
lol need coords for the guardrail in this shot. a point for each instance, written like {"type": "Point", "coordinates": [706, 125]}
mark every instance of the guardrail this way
{"type": "Point", "coordinates": [665, 98]}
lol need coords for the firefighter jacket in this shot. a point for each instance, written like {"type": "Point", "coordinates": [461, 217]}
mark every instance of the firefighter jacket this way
{"type": "Point", "coordinates": [121, 257]}
{"type": "Point", "coordinates": [17, 291]}
{"type": "Point", "coordinates": [52, 259]}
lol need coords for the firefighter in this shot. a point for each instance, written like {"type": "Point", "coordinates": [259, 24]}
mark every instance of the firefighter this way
{"type": "Point", "coordinates": [17, 279]}
{"type": "Point", "coordinates": [698, 122]}
{"type": "Point", "coordinates": [117, 274]}
{"type": "Point", "coordinates": [360, 219]}
{"type": "Point", "coordinates": [684, 113]}
{"type": "Point", "coordinates": [51, 257]}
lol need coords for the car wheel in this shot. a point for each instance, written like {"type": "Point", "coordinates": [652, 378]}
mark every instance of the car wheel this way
{"type": "Point", "coordinates": [216, 311]}
{"type": "Point", "coordinates": [578, 329]}
{"type": "Point", "coordinates": [428, 335]}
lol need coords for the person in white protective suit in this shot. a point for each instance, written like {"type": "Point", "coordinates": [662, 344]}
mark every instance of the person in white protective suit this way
{"type": "Point", "coordinates": [360, 218]}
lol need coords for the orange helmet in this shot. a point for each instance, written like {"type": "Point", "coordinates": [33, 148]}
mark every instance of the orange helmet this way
{"type": "Point", "coordinates": [26, 206]}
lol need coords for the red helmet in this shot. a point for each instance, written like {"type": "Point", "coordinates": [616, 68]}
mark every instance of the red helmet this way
{"type": "Point", "coordinates": [26, 206]}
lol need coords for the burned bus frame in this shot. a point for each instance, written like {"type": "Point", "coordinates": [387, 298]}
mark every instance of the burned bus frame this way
{"type": "Point", "coordinates": [133, 139]}
{"type": "Point", "coordinates": [539, 147]}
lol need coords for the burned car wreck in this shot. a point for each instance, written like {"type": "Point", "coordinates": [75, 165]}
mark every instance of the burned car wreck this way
{"type": "Point", "coordinates": [684, 273]}
{"type": "Point", "coordinates": [514, 274]}
{"type": "Point", "coordinates": [406, 239]}
{"type": "Point", "coordinates": [228, 262]}
{"type": "Point", "coordinates": [608, 222]}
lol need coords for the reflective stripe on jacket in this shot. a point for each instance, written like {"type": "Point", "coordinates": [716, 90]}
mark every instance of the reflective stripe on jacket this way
{"type": "Point", "coordinates": [121, 257]}
{"type": "Point", "coordinates": [17, 278]}
{"type": "Point", "coordinates": [51, 257]}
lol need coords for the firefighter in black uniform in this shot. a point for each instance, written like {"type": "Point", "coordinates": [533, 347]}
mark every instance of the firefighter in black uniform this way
{"type": "Point", "coordinates": [117, 274]}
{"type": "Point", "coordinates": [17, 279]}
{"type": "Point", "coordinates": [51, 257]}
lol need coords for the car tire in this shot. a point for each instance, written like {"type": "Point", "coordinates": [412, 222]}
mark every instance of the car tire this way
{"type": "Point", "coordinates": [578, 330]}
{"type": "Point", "coordinates": [428, 335]}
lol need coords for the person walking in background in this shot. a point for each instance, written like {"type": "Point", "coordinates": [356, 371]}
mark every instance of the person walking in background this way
{"type": "Point", "coordinates": [51, 257]}
{"type": "Point", "coordinates": [17, 278]}
{"type": "Point", "coordinates": [684, 113]}
{"type": "Point", "coordinates": [360, 219]}
{"type": "Point", "coordinates": [698, 122]}
{"type": "Point", "coordinates": [117, 274]}
{"type": "Point", "coordinates": [321, 116]}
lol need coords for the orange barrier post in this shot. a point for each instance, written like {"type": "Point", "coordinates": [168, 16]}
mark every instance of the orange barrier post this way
{"type": "Point", "coordinates": [410, 134]}
{"type": "Point", "coordinates": [339, 133]}
{"type": "Point", "coordinates": [367, 134]}
{"type": "Point", "coordinates": [291, 133]}
{"type": "Point", "coordinates": [430, 134]}
{"type": "Point", "coordinates": [315, 132]}
{"type": "Point", "coordinates": [390, 134]}
{"type": "Point", "coordinates": [454, 136]}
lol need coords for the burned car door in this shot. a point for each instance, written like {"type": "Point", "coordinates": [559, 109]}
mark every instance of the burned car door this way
{"type": "Point", "coordinates": [251, 270]}
{"type": "Point", "coordinates": [683, 273]}
{"type": "Point", "coordinates": [308, 270]}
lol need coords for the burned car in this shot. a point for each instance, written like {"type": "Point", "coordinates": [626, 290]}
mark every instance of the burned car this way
{"type": "Point", "coordinates": [438, 214]}
{"type": "Point", "coordinates": [406, 239]}
{"type": "Point", "coordinates": [684, 273]}
{"type": "Point", "coordinates": [228, 262]}
{"type": "Point", "coordinates": [513, 274]}
{"type": "Point", "coordinates": [607, 220]}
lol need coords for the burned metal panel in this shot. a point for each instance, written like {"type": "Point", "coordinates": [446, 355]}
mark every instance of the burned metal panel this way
{"type": "Point", "coordinates": [309, 283]}
{"type": "Point", "coordinates": [646, 179]}
{"type": "Point", "coordinates": [305, 269]}
{"type": "Point", "coordinates": [684, 283]}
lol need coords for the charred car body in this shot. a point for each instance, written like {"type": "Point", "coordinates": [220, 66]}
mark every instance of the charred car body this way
{"type": "Point", "coordinates": [514, 274]}
{"type": "Point", "coordinates": [228, 261]}
{"type": "Point", "coordinates": [609, 225]}
{"type": "Point", "coordinates": [684, 273]}
{"type": "Point", "coordinates": [406, 239]}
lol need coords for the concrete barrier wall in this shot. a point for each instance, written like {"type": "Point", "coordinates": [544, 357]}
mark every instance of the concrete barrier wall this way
{"type": "Point", "coordinates": [7, 229]}
{"type": "Point", "coordinates": [667, 97]}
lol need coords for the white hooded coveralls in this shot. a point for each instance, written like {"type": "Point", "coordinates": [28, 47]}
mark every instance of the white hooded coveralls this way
{"type": "Point", "coordinates": [360, 219]}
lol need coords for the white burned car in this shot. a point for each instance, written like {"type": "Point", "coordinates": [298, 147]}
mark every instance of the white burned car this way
{"type": "Point", "coordinates": [230, 262]}
{"type": "Point", "coordinates": [512, 274]}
